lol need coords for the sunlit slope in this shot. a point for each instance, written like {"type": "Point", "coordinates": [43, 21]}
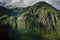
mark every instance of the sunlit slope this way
{"type": "Point", "coordinates": [40, 15]}
{"type": "Point", "coordinates": [6, 17]}
{"type": "Point", "coordinates": [42, 18]}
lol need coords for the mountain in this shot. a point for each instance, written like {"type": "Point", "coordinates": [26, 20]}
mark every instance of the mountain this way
{"type": "Point", "coordinates": [38, 22]}
{"type": "Point", "coordinates": [43, 18]}
{"type": "Point", "coordinates": [40, 13]}
{"type": "Point", "coordinates": [8, 22]}
{"type": "Point", "coordinates": [3, 3]}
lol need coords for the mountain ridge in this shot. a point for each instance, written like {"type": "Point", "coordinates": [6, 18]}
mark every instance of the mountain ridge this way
{"type": "Point", "coordinates": [39, 18]}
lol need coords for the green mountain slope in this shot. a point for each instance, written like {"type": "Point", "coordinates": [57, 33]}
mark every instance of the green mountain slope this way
{"type": "Point", "coordinates": [38, 22]}
{"type": "Point", "coordinates": [42, 18]}
{"type": "Point", "coordinates": [40, 13]}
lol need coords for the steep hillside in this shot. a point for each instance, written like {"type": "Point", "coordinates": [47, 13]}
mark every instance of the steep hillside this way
{"type": "Point", "coordinates": [38, 22]}
{"type": "Point", "coordinates": [40, 13]}
{"type": "Point", "coordinates": [42, 18]}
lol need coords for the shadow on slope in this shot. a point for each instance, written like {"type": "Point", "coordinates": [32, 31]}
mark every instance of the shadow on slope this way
{"type": "Point", "coordinates": [8, 33]}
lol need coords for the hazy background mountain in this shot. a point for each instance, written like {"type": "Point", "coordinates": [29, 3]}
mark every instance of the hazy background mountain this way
{"type": "Point", "coordinates": [3, 3]}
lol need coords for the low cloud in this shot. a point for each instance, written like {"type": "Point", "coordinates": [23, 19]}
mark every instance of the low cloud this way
{"type": "Point", "coordinates": [55, 3]}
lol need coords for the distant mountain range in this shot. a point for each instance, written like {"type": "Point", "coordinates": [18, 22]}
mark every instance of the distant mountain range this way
{"type": "Point", "coordinates": [3, 3]}
{"type": "Point", "coordinates": [41, 17]}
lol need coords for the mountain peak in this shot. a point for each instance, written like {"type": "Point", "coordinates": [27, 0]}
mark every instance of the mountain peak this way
{"type": "Point", "coordinates": [42, 3]}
